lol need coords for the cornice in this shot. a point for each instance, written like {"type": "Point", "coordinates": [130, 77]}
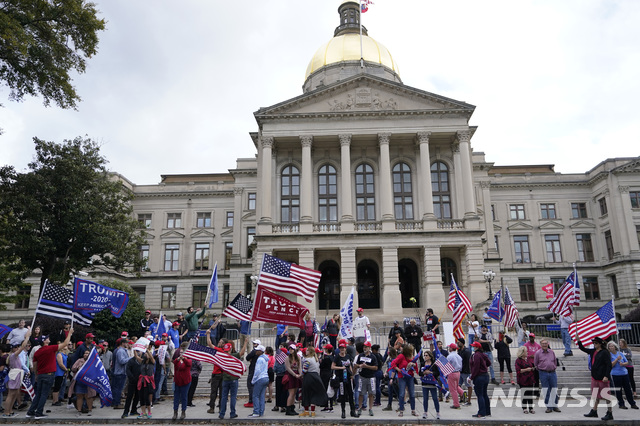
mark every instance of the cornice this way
{"type": "Point", "coordinates": [184, 193]}
{"type": "Point", "coordinates": [452, 113]}
{"type": "Point", "coordinates": [497, 186]}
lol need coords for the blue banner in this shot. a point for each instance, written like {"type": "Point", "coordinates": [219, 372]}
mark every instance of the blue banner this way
{"type": "Point", "coordinates": [93, 374]}
{"type": "Point", "coordinates": [4, 329]}
{"type": "Point", "coordinates": [90, 298]}
{"type": "Point", "coordinates": [495, 310]}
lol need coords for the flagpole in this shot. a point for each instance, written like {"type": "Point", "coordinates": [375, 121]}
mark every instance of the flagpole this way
{"type": "Point", "coordinates": [613, 305]}
{"type": "Point", "coordinates": [360, 20]}
{"type": "Point", "coordinates": [455, 288]}
{"type": "Point", "coordinates": [575, 311]}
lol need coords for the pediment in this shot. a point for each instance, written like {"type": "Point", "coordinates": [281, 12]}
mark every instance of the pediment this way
{"type": "Point", "coordinates": [227, 233]}
{"type": "Point", "coordinates": [631, 167]}
{"type": "Point", "coordinates": [497, 228]}
{"type": "Point", "coordinates": [520, 226]}
{"type": "Point", "coordinates": [551, 225]}
{"type": "Point", "coordinates": [172, 234]}
{"type": "Point", "coordinates": [582, 224]}
{"type": "Point", "coordinates": [249, 215]}
{"type": "Point", "coordinates": [367, 94]}
{"type": "Point", "coordinates": [203, 233]}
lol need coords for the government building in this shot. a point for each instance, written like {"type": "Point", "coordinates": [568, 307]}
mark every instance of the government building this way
{"type": "Point", "coordinates": [376, 184]}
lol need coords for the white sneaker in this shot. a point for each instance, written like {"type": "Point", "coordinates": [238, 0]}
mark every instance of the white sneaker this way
{"type": "Point", "coordinates": [70, 406]}
{"type": "Point", "coordinates": [424, 415]}
{"type": "Point", "coordinates": [438, 416]}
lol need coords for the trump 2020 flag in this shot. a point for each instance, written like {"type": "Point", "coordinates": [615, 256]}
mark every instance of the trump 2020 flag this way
{"type": "Point", "coordinates": [93, 374]}
{"type": "Point", "coordinates": [346, 317]}
{"type": "Point", "coordinates": [495, 310]}
{"type": "Point", "coordinates": [279, 275]}
{"type": "Point", "coordinates": [271, 307]}
{"type": "Point", "coordinates": [213, 287]}
{"type": "Point", "coordinates": [90, 298]}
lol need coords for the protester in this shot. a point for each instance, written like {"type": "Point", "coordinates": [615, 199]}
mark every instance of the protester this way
{"type": "Point", "coordinates": [280, 370]}
{"type": "Point", "coordinates": [120, 358]}
{"type": "Point", "coordinates": [196, 369]}
{"type": "Point", "coordinates": [620, 376]}
{"type": "Point", "coordinates": [192, 320]}
{"type": "Point", "coordinates": [182, 382]}
{"type": "Point", "coordinates": [393, 381]}
{"type": "Point", "coordinates": [145, 323]}
{"type": "Point", "coordinates": [82, 391]}
{"type": "Point", "coordinates": [36, 337]}
{"type": "Point", "coordinates": [565, 321]}
{"type": "Point", "coordinates": [343, 366]}
{"type": "Point", "coordinates": [429, 374]}
{"type": "Point", "coordinates": [367, 365]}
{"type": "Point", "coordinates": [533, 347]}
{"type": "Point", "coordinates": [465, 372]}
{"type": "Point", "coordinates": [405, 369]}
{"type": "Point", "coordinates": [413, 334]}
{"type": "Point", "coordinates": [453, 379]}
{"type": "Point", "coordinates": [133, 369]}
{"type": "Point", "coordinates": [526, 379]}
{"type": "Point", "coordinates": [245, 336]}
{"type": "Point", "coordinates": [393, 333]}
{"type": "Point", "coordinates": [260, 381]}
{"type": "Point", "coordinates": [504, 356]}
{"type": "Point", "coordinates": [252, 357]}
{"type": "Point", "coordinates": [479, 364]}
{"type": "Point", "coordinates": [333, 326]}
{"type": "Point", "coordinates": [216, 376]}
{"type": "Point", "coordinates": [174, 334]}
{"type": "Point", "coordinates": [326, 360]}
{"type": "Point", "coordinates": [361, 326]}
{"type": "Point", "coordinates": [486, 339]}
{"type": "Point", "coordinates": [545, 362]}
{"type": "Point", "coordinates": [60, 376]}
{"type": "Point", "coordinates": [146, 383]}
{"type": "Point", "coordinates": [309, 330]}
{"type": "Point", "coordinates": [629, 355]}
{"type": "Point", "coordinates": [16, 373]}
{"type": "Point", "coordinates": [229, 387]}
{"type": "Point", "coordinates": [375, 350]}
{"type": "Point", "coordinates": [272, 377]}
{"type": "Point", "coordinates": [474, 328]}
{"type": "Point", "coordinates": [106, 357]}
{"type": "Point", "coordinates": [432, 323]}
{"type": "Point", "coordinates": [18, 334]}
{"type": "Point", "coordinates": [523, 333]}
{"type": "Point", "coordinates": [486, 319]}
{"type": "Point", "coordinates": [162, 362]}
{"type": "Point", "coordinates": [291, 380]}
{"type": "Point", "coordinates": [46, 368]}
{"type": "Point", "coordinates": [600, 376]}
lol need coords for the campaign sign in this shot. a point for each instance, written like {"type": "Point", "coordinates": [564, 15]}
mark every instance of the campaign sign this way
{"type": "Point", "coordinates": [93, 374]}
{"type": "Point", "coordinates": [548, 289]}
{"type": "Point", "coordinates": [270, 307]}
{"type": "Point", "coordinates": [141, 344]}
{"type": "Point", "coordinates": [90, 297]}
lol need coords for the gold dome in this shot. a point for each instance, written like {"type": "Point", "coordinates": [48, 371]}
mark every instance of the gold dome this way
{"type": "Point", "coordinates": [346, 47]}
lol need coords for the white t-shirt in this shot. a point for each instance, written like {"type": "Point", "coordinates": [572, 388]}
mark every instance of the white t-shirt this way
{"type": "Point", "coordinates": [360, 325]}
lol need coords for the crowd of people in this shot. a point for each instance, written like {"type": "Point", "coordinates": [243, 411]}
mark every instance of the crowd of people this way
{"type": "Point", "coordinates": [314, 368]}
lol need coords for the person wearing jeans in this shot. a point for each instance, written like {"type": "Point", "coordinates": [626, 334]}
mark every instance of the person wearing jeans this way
{"type": "Point", "coordinates": [120, 359]}
{"type": "Point", "coordinates": [229, 387]}
{"type": "Point", "coordinates": [404, 366]}
{"type": "Point", "coordinates": [260, 381]}
{"type": "Point", "coordinates": [566, 338]}
{"type": "Point", "coordinates": [479, 364]}
{"type": "Point", "coordinates": [545, 362]}
{"type": "Point", "coordinates": [182, 382]}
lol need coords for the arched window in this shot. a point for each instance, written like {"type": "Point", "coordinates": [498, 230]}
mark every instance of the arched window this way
{"type": "Point", "coordinates": [368, 285]}
{"type": "Point", "coordinates": [290, 195]}
{"type": "Point", "coordinates": [448, 267]}
{"type": "Point", "coordinates": [329, 288]}
{"type": "Point", "coordinates": [327, 194]}
{"type": "Point", "coordinates": [365, 193]}
{"type": "Point", "coordinates": [402, 192]}
{"type": "Point", "coordinates": [409, 287]}
{"type": "Point", "coordinates": [441, 190]}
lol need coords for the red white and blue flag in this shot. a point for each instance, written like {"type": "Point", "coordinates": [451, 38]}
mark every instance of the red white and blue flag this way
{"type": "Point", "coordinates": [510, 311]}
{"type": "Point", "coordinates": [460, 304]}
{"type": "Point", "coordinates": [4, 329]}
{"type": "Point", "coordinates": [601, 324]}
{"type": "Point", "coordinates": [239, 308]}
{"type": "Point", "coordinates": [364, 5]}
{"type": "Point", "coordinates": [228, 363]}
{"type": "Point", "coordinates": [567, 296]}
{"type": "Point", "coordinates": [279, 275]}
{"type": "Point", "coordinates": [27, 387]}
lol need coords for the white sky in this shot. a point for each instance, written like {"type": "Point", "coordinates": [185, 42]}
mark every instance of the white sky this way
{"type": "Point", "coordinates": [174, 85]}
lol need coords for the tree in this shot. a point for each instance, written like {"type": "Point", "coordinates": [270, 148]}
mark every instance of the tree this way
{"type": "Point", "coordinates": [41, 42]}
{"type": "Point", "coordinates": [107, 327]}
{"type": "Point", "coordinates": [66, 214]}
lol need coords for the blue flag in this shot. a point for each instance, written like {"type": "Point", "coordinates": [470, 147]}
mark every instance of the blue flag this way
{"type": "Point", "coordinates": [213, 287]}
{"type": "Point", "coordinates": [90, 298]}
{"type": "Point", "coordinates": [495, 310]}
{"type": "Point", "coordinates": [162, 326]}
{"type": "Point", "coordinates": [4, 329]}
{"type": "Point", "coordinates": [93, 374]}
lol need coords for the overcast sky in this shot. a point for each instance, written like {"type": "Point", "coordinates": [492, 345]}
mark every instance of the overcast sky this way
{"type": "Point", "coordinates": [174, 85]}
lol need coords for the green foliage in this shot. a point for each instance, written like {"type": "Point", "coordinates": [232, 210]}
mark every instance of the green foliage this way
{"type": "Point", "coordinates": [107, 327]}
{"type": "Point", "coordinates": [41, 42]}
{"type": "Point", "coordinates": [65, 215]}
{"type": "Point", "coordinates": [633, 316]}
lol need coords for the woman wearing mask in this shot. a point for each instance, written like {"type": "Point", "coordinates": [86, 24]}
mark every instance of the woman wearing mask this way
{"type": "Point", "coordinates": [404, 366]}
{"type": "Point", "coordinates": [479, 363]}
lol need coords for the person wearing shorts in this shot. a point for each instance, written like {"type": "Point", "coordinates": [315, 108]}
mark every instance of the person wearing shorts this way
{"type": "Point", "coordinates": [367, 363]}
{"type": "Point", "coordinates": [600, 376]}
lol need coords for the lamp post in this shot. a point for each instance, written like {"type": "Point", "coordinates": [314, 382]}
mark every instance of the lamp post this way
{"type": "Point", "coordinates": [488, 277]}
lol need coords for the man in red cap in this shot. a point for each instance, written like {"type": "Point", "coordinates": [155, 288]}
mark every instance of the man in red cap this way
{"type": "Point", "coordinates": [367, 365]}
{"type": "Point", "coordinates": [453, 379]}
{"type": "Point", "coordinates": [361, 327]}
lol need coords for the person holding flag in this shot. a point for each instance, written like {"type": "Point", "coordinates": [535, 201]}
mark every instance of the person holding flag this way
{"type": "Point", "coordinates": [16, 374]}
{"type": "Point", "coordinates": [405, 365]}
{"type": "Point", "coordinates": [429, 376]}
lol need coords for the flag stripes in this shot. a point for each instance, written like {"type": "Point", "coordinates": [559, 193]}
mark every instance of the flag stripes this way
{"type": "Point", "coordinates": [239, 308]}
{"type": "Point", "coordinates": [567, 296]}
{"type": "Point", "coordinates": [278, 275]}
{"type": "Point", "coordinates": [601, 323]}
{"type": "Point", "coordinates": [228, 363]}
{"type": "Point", "coordinates": [57, 301]}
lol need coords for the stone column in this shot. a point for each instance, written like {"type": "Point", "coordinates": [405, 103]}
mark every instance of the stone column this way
{"type": "Point", "coordinates": [306, 259]}
{"type": "Point", "coordinates": [472, 267]}
{"type": "Point", "coordinates": [386, 191]}
{"type": "Point", "coordinates": [466, 173]}
{"type": "Point", "coordinates": [424, 177]}
{"type": "Point", "coordinates": [306, 181]}
{"type": "Point", "coordinates": [266, 145]}
{"type": "Point", "coordinates": [349, 275]}
{"type": "Point", "coordinates": [237, 227]}
{"type": "Point", "coordinates": [345, 165]}
{"type": "Point", "coordinates": [492, 250]}
{"type": "Point", "coordinates": [390, 295]}
{"type": "Point", "coordinates": [433, 294]}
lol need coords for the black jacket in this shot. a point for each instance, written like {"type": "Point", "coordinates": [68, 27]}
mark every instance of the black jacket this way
{"type": "Point", "coordinates": [601, 365]}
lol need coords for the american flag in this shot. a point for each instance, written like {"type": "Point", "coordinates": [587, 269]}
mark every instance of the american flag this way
{"type": "Point", "coordinates": [364, 5]}
{"type": "Point", "coordinates": [27, 387]}
{"type": "Point", "coordinates": [510, 311]}
{"type": "Point", "coordinates": [281, 356]}
{"type": "Point", "coordinates": [567, 296]}
{"type": "Point", "coordinates": [228, 363]}
{"type": "Point", "coordinates": [57, 301]}
{"type": "Point", "coordinates": [461, 306]}
{"type": "Point", "coordinates": [441, 361]}
{"type": "Point", "coordinates": [239, 308]}
{"type": "Point", "coordinates": [278, 275]}
{"type": "Point", "coordinates": [602, 323]}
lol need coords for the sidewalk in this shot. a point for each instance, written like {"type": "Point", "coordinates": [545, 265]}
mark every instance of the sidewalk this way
{"type": "Point", "coordinates": [163, 412]}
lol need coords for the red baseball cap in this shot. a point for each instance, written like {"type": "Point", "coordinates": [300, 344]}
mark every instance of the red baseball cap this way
{"type": "Point", "coordinates": [359, 310]}
{"type": "Point", "coordinates": [328, 346]}
{"type": "Point", "coordinates": [367, 344]}
{"type": "Point", "coordinates": [532, 335]}
{"type": "Point", "coordinates": [175, 324]}
{"type": "Point", "coordinates": [124, 334]}
{"type": "Point", "coordinates": [476, 345]}
{"type": "Point", "coordinates": [453, 346]}
{"type": "Point", "coordinates": [165, 335]}
{"type": "Point", "coordinates": [227, 347]}
{"type": "Point", "coordinates": [89, 336]}
{"type": "Point", "coordinates": [342, 345]}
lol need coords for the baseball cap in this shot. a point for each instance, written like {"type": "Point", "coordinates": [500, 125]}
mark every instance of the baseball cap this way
{"type": "Point", "coordinates": [89, 336]}
{"type": "Point", "coordinates": [179, 314]}
{"type": "Point", "coordinates": [124, 334]}
{"type": "Point", "coordinates": [227, 347]}
{"type": "Point", "coordinates": [260, 348]}
{"type": "Point", "coordinates": [157, 343]}
{"type": "Point", "coordinates": [342, 345]}
{"type": "Point", "coordinates": [359, 310]}
{"type": "Point", "coordinates": [118, 342]}
{"type": "Point", "coordinates": [78, 344]}
{"type": "Point", "coordinates": [342, 341]}
{"type": "Point", "coordinates": [328, 346]}
{"type": "Point", "coordinates": [476, 345]}
{"type": "Point", "coordinates": [257, 342]}
{"type": "Point", "coordinates": [367, 344]}
{"type": "Point", "coordinates": [531, 335]}
{"type": "Point", "coordinates": [147, 312]}
{"type": "Point", "coordinates": [214, 315]}
{"type": "Point", "coordinates": [165, 335]}
{"type": "Point", "coordinates": [292, 346]}
{"type": "Point", "coordinates": [175, 323]}
{"type": "Point", "coordinates": [453, 346]}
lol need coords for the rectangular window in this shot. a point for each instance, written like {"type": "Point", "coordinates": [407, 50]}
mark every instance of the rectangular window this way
{"type": "Point", "coordinates": [144, 220]}
{"type": "Point", "coordinates": [608, 241]}
{"type": "Point", "coordinates": [635, 199]}
{"type": "Point", "coordinates": [24, 294]}
{"type": "Point", "coordinates": [495, 240]}
{"type": "Point", "coordinates": [638, 233]}
{"type": "Point", "coordinates": [527, 290]}
{"type": "Point", "coordinates": [603, 206]}
{"type": "Point", "coordinates": [614, 286]}
{"type": "Point", "coordinates": [591, 288]}
{"type": "Point", "coordinates": [579, 210]}
{"type": "Point", "coordinates": [144, 255]}
{"type": "Point", "coordinates": [251, 234]}
{"type": "Point", "coordinates": [248, 286]}
{"type": "Point", "coordinates": [229, 220]}
{"type": "Point", "coordinates": [199, 295]}
{"type": "Point", "coordinates": [548, 211]}
{"type": "Point", "coordinates": [521, 245]}
{"type": "Point", "coordinates": [225, 295]}
{"type": "Point", "coordinates": [552, 245]}
{"type": "Point", "coordinates": [228, 250]}
{"type": "Point", "coordinates": [516, 212]}
{"type": "Point", "coordinates": [174, 220]}
{"type": "Point", "coordinates": [171, 257]}
{"type": "Point", "coordinates": [202, 258]}
{"type": "Point", "coordinates": [142, 293]}
{"type": "Point", "coordinates": [493, 212]}
{"type": "Point", "coordinates": [557, 283]}
{"type": "Point", "coordinates": [251, 205]}
{"type": "Point", "coordinates": [168, 300]}
{"type": "Point", "coordinates": [203, 220]}
{"type": "Point", "coordinates": [585, 248]}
